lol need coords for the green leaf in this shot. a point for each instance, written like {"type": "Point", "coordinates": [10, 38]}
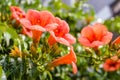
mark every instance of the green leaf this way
{"type": "Point", "coordinates": [5, 28]}
{"type": "Point", "coordinates": [0, 36]}
{"type": "Point", "coordinates": [12, 32]}
{"type": "Point", "coordinates": [2, 27]}
{"type": "Point", "coordinates": [49, 74]}
{"type": "Point", "coordinates": [2, 74]}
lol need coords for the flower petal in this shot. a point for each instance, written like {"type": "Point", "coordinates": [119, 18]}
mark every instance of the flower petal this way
{"type": "Point", "coordinates": [69, 58]}
{"type": "Point", "coordinates": [46, 18]}
{"type": "Point", "coordinates": [41, 18]}
{"type": "Point", "coordinates": [99, 30]}
{"type": "Point", "coordinates": [62, 28]}
{"type": "Point", "coordinates": [74, 68]}
{"type": "Point", "coordinates": [88, 33]}
{"type": "Point", "coordinates": [84, 41]}
{"type": "Point", "coordinates": [33, 16]}
{"type": "Point", "coordinates": [73, 55]}
{"type": "Point", "coordinates": [16, 9]}
{"type": "Point", "coordinates": [62, 41]}
{"type": "Point", "coordinates": [38, 28]}
{"type": "Point", "coordinates": [70, 38]}
{"type": "Point", "coordinates": [17, 13]}
{"type": "Point", "coordinates": [107, 38]}
{"type": "Point", "coordinates": [51, 40]}
{"type": "Point", "coordinates": [58, 39]}
{"type": "Point", "coordinates": [50, 27]}
{"type": "Point", "coordinates": [97, 43]}
{"type": "Point", "coordinates": [27, 32]}
{"type": "Point", "coordinates": [25, 23]}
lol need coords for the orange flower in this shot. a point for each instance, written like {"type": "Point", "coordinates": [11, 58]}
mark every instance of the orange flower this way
{"type": "Point", "coordinates": [111, 65]}
{"type": "Point", "coordinates": [39, 22]}
{"type": "Point", "coordinates": [67, 59]}
{"type": "Point", "coordinates": [17, 13]}
{"type": "Point", "coordinates": [42, 18]}
{"type": "Point", "coordinates": [34, 22]}
{"type": "Point", "coordinates": [61, 34]}
{"type": "Point", "coordinates": [94, 36]}
{"type": "Point", "coordinates": [116, 41]}
{"type": "Point", "coordinates": [34, 31]}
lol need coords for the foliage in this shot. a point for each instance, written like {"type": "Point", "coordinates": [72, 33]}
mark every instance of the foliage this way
{"type": "Point", "coordinates": [113, 24]}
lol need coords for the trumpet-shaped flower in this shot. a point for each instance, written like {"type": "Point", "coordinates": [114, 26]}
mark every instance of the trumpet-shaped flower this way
{"type": "Point", "coordinates": [67, 59]}
{"type": "Point", "coordinates": [116, 41]}
{"type": "Point", "coordinates": [34, 22]}
{"type": "Point", "coordinates": [61, 34]}
{"type": "Point", "coordinates": [94, 36]}
{"type": "Point", "coordinates": [34, 31]}
{"type": "Point", "coordinates": [17, 13]}
{"type": "Point", "coordinates": [42, 18]}
{"type": "Point", "coordinates": [112, 64]}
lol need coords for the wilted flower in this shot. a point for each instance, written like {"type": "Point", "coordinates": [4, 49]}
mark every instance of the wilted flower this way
{"type": "Point", "coordinates": [16, 52]}
{"type": "Point", "coordinates": [61, 34]}
{"type": "Point", "coordinates": [94, 36]}
{"type": "Point", "coordinates": [67, 59]}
